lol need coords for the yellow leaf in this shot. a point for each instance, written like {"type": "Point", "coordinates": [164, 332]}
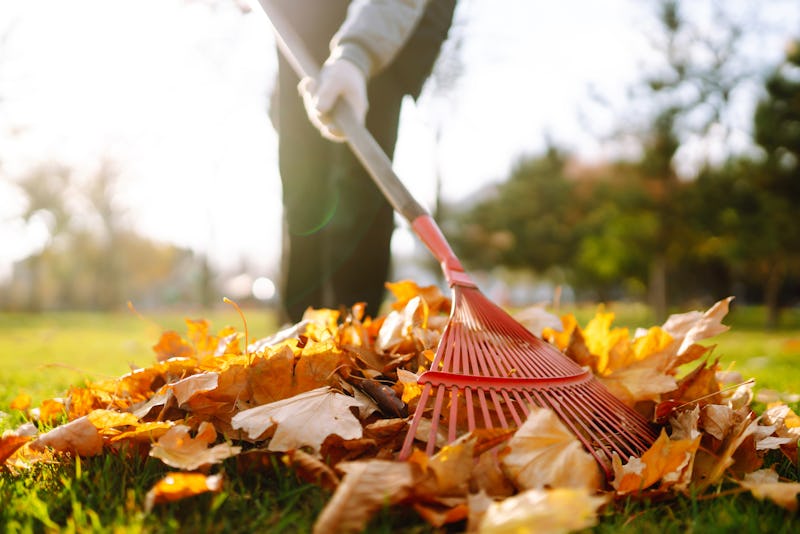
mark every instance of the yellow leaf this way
{"type": "Point", "coordinates": [177, 486]}
{"type": "Point", "coordinates": [540, 511]}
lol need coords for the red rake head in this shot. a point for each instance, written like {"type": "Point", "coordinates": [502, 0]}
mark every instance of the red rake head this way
{"type": "Point", "coordinates": [489, 370]}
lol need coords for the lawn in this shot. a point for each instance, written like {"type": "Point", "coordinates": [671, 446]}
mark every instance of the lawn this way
{"type": "Point", "coordinates": [43, 355]}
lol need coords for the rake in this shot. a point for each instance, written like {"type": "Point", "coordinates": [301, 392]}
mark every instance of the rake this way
{"type": "Point", "coordinates": [488, 370]}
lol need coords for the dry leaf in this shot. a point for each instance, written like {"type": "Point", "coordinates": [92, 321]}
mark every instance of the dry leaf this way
{"type": "Point", "coordinates": [543, 453]}
{"type": "Point", "coordinates": [177, 486]}
{"type": "Point", "coordinates": [667, 461]}
{"type": "Point", "coordinates": [79, 436]}
{"type": "Point", "coordinates": [765, 484]}
{"type": "Point", "coordinates": [695, 326]}
{"type": "Point", "coordinates": [177, 448]}
{"type": "Point", "coordinates": [540, 511]}
{"type": "Point", "coordinates": [303, 420]}
{"type": "Point", "coordinates": [189, 386]}
{"type": "Point", "coordinates": [366, 487]}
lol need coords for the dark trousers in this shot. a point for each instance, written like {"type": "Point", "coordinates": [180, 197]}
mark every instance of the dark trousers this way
{"type": "Point", "coordinates": [337, 225]}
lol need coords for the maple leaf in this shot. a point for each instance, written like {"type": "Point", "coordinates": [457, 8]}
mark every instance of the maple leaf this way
{"type": "Point", "coordinates": [668, 461]}
{"type": "Point", "coordinates": [542, 511]}
{"type": "Point", "coordinates": [177, 486]}
{"type": "Point", "coordinates": [765, 484]}
{"type": "Point", "coordinates": [303, 420]}
{"type": "Point", "coordinates": [177, 448]}
{"type": "Point", "coordinates": [367, 486]}
{"type": "Point", "coordinates": [543, 452]}
{"type": "Point", "coordinates": [406, 290]}
{"type": "Point", "coordinates": [172, 345]}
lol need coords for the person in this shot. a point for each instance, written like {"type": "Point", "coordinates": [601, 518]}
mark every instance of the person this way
{"type": "Point", "coordinates": [337, 225]}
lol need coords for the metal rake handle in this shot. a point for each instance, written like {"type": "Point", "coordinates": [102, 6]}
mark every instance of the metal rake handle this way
{"type": "Point", "coordinates": [368, 151]}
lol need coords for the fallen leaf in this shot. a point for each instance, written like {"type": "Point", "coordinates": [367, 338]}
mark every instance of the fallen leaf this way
{"type": "Point", "coordinates": [177, 448]}
{"type": "Point", "coordinates": [765, 484]}
{"type": "Point", "coordinates": [79, 436]}
{"type": "Point", "coordinates": [10, 442]}
{"type": "Point", "coordinates": [189, 386]}
{"type": "Point", "coordinates": [177, 486]}
{"type": "Point", "coordinates": [303, 420]}
{"type": "Point", "coordinates": [172, 345]}
{"type": "Point", "coordinates": [695, 326]}
{"type": "Point", "coordinates": [21, 402]}
{"type": "Point", "coordinates": [541, 511]}
{"type": "Point", "coordinates": [543, 452]}
{"type": "Point", "coordinates": [667, 461]}
{"type": "Point", "coordinates": [367, 487]}
{"type": "Point", "coordinates": [311, 469]}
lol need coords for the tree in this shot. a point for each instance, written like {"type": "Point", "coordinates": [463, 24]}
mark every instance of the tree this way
{"type": "Point", "coordinates": [687, 96]}
{"type": "Point", "coordinates": [777, 131]}
{"type": "Point", "coordinates": [527, 223]}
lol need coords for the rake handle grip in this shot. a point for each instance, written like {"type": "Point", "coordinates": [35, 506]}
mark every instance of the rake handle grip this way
{"type": "Point", "coordinates": [368, 151]}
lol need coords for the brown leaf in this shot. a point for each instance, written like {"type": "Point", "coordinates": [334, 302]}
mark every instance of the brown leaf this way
{"type": "Point", "coordinates": [177, 486]}
{"type": "Point", "coordinates": [367, 487]}
{"type": "Point", "coordinates": [312, 470]}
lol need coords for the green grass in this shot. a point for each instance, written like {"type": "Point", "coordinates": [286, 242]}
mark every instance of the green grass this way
{"type": "Point", "coordinates": [43, 355]}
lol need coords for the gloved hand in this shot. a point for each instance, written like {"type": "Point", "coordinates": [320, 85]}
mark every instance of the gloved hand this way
{"type": "Point", "coordinates": [339, 78]}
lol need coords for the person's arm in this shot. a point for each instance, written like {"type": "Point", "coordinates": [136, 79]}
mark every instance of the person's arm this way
{"type": "Point", "coordinates": [375, 31]}
{"type": "Point", "coordinates": [372, 34]}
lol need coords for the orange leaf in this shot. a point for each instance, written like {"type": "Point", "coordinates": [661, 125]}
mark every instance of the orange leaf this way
{"type": "Point", "coordinates": [21, 402]}
{"type": "Point", "coordinates": [9, 443]}
{"type": "Point", "coordinates": [172, 345]}
{"type": "Point", "coordinates": [666, 460]}
{"type": "Point", "coordinates": [406, 290]}
{"type": "Point", "coordinates": [177, 486]}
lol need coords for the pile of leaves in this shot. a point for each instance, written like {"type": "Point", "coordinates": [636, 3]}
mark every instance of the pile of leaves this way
{"type": "Point", "coordinates": [331, 396]}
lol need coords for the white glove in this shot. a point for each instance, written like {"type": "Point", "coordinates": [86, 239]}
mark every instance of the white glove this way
{"type": "Point", "coordinates": [339, 78]}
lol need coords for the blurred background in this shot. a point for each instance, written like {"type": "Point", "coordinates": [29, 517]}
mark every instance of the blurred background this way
{"type": "Point", "coordinates": [581, 150]}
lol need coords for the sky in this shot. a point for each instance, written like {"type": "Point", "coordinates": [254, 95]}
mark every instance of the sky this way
{"type": "Point", "coordinates": [175, 93]}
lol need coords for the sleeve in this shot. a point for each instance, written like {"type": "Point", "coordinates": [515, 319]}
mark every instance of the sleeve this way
{"type": "Point", "coordinates": [375, 31]}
